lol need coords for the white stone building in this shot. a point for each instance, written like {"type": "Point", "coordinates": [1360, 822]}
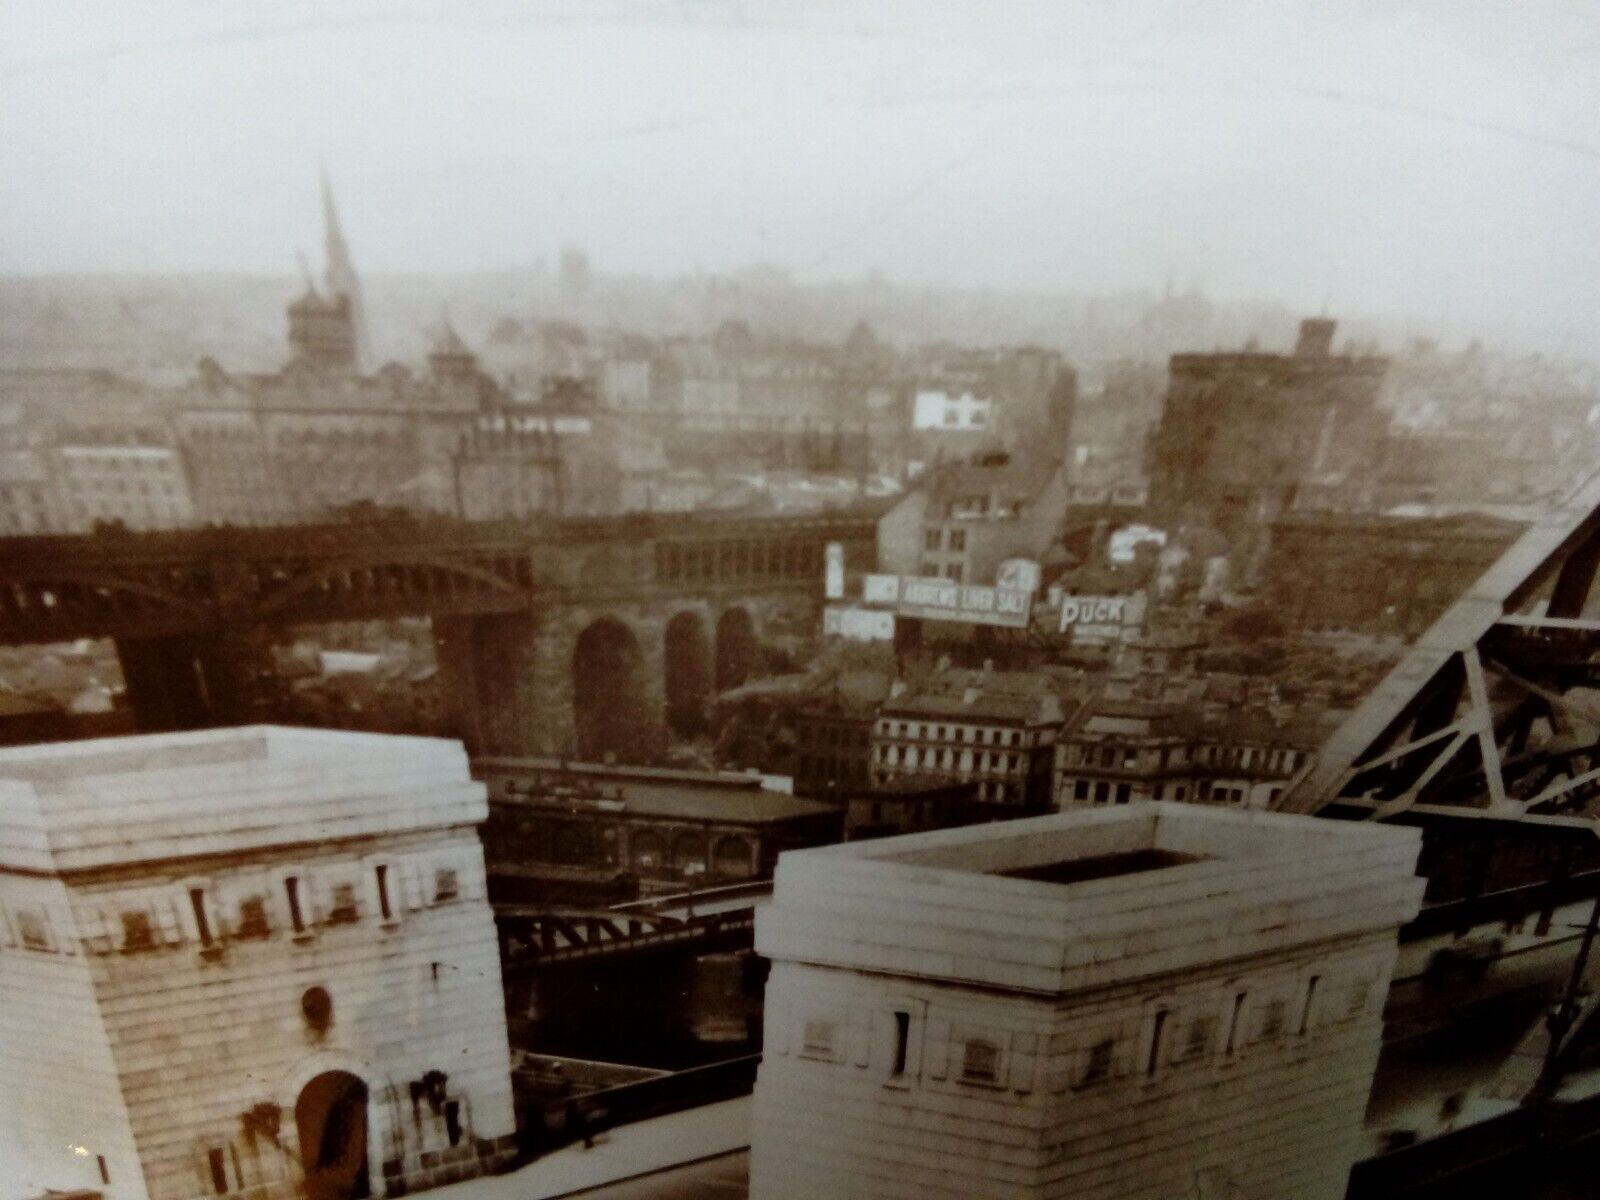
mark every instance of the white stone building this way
{"type": "Point", "coordinates": [252, 962]}
{"type": "Point", "coordinates": [1154, 1000]}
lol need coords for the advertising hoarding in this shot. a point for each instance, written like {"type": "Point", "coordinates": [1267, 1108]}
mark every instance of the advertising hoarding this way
{"type": "Point", "coordinates": [1018, 575]}
{"type": "Point", "coordinates": [858, 624]}
{"type": "Point", "coordinates": [946, 600]}
{"type": "Point", "coordinates": [881, 589]}
{"type": "Point", "coordinates": [833, 582]}
{"type": "Point", "coordinates": [1093, 618]}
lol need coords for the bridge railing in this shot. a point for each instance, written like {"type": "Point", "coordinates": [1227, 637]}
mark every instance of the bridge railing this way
{"type": "Point", "coordinates": [565, 1120]}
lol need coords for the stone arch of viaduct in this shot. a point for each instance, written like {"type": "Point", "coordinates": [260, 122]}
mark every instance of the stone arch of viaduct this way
{"type": "Point", "coordinates": [575, 639]}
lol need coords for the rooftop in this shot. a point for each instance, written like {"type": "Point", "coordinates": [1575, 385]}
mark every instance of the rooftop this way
{"type": "Point", "coordinates": [674, 795]}
{"type": "Point", "coordinates": [88, 804]}
{"type": "Point", "coordinates": [1088, 898]}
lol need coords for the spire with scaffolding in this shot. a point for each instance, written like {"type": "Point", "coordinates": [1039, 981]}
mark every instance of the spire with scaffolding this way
{"type": "Point", "coordinates": [340, 278]}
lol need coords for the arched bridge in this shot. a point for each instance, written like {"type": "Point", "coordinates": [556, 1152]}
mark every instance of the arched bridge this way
{"type": "Point", "coordinates": [563, 637]}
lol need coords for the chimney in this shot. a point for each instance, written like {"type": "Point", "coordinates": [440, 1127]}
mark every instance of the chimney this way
{"type": "Point", "coordinates": [1316, 338]}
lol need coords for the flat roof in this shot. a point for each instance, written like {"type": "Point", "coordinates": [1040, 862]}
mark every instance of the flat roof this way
{"type": "Point", "coordinates": [1090, 897]}
{"type": "Point", "coordinates": [86, 804]}
{"type": "Point", "coordinates": [684, 796]}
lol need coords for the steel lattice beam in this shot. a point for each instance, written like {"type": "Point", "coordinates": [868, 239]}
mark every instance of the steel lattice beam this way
{"type": "Point", "coordinates": [1486, 714]}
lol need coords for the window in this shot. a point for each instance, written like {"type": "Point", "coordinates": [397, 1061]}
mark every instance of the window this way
{"type": "Point", "coordinates": [1308, 1007]}
{"type": "Point", "coordinates": [218, 1162]}
{"type": "Point", "coordinates": [385, 906]}
{"type": "Point", "coordinates": [1270, 1023]}
{"type": "Point", "coordinates": [932, 539]}
{"type": "Point", "coordinates": [902, 1042]}
{"type": "Point", "coordinates": [1198, 1038]}
{"type": "Point", "coordinates": [445, 885]}
{"type": "Point", "coordinates": [253, 917]}
{"type": "Point", "coordinates": [958, 539]}
{"type": "Point", "coordinates": [344, 909]}
{"type": "Point", "coordinates": [138, 931]}
{"type": "Point", "coordinates": [1158, 1028]}
{"type": "Point", "coordinates": [818, 1040]}
{"type": "Point", "coordinates": [1124, 793]}
{"type": "Point", "coordinates": [1080, 789]}
{"type": "Point", "coordinates": [1233, 1024]}
{"type": "Point", "coordinates": [980, 1061]}
{"type": "Point", "coordinates": [202, 923]}
{"type": "Point", "coordinates": [1098, 1066]}
{"type": "Point", "coordinates": [292, 892]}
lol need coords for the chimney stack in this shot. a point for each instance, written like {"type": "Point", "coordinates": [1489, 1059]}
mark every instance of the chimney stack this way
{"type": "Point", "coordinates": [1316, 337]}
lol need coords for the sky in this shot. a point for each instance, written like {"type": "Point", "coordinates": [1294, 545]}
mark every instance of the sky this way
{"type": "Point", "coordinates": [1435, 159]}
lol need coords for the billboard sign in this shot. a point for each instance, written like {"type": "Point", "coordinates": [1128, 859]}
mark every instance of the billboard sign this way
{"type": "Point", "coordinates": [834, 578]}
{"type": "Point", "coordinates": [946, 600]}
{"type": "Point", "coordinates": [881, 589]}
{"type": "Point", "coordinates": [1093, 618]}
{"type": "Point", "coordinates": [1018, 575]}
{"type": "Point", "coordinates": [858, 624]}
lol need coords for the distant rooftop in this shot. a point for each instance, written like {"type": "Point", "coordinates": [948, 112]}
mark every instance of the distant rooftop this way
{"type": "Point", "coordinates": [642, 792]}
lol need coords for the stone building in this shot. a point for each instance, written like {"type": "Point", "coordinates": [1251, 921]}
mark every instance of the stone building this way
{"type": "Point", "coordinates": [1384, 575]}
{"type": "Point", "coordinates": [1155, 1000]}
{"type": "Point", "coordinates": [963, 520]}
{"type": "Point", "coordinates": [1113, 753]}
{"type": "Point", "coordinates": [992, 727]}
{"type": "Point", "coordinates": [583, 824]}
{"type": "Point", "coordinates": [1242, 432]}
{"type": "Point", "coordinates": [247, 962]}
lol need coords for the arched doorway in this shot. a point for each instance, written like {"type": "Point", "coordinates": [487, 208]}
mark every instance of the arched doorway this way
{"type": "Point", "coordinates": [736, 648]}
{"type": "Point", "coordinates": [608, 691]}
{"type": "Point", "coordinates": [688, 673]}
{"type": "Point", "coordinates": [330, 1118]}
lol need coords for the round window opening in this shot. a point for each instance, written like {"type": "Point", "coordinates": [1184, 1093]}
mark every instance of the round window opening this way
{"type": "Point", "coordinates": [318, 1008]}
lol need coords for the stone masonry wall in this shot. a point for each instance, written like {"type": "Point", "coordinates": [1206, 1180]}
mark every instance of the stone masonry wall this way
{"type": "Point", "coordinates": [1079, 1104]}
{"type": "Point", "coordinates": [63, 1110]}
{"type": "Point", "coordinates": [203, 1035]}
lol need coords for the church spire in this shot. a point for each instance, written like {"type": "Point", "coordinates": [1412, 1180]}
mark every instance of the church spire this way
{"type": "Point", "coordinates": [340, 278]}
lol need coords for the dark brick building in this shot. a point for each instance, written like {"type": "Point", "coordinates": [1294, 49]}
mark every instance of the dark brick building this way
{"type": "Point", "coordinates": [1375, 574]}
{"type": "Point", "coordinates": [1242, 432]}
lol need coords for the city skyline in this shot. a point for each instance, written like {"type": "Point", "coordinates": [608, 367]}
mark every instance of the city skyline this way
{"type": "Point", "coordinates": [1369, 161]}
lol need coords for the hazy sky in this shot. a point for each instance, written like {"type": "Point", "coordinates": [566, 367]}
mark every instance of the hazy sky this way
{"type": "Point", "coordinates": [1426, 157]}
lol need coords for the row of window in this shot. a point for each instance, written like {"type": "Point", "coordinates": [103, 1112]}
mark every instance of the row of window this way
{"type": "Point", "coordinates": [709, 561]}
{"type": "Point", "coordinates": [1103, 791]}
{"type": "Point", "coordinates": [951, 733]}
{"type": "Point", "coordinates": [297, 901]}
{"type": "Point", "coordinates": [1214, 1028]}
{"type": "Point", "coordinates": [937, 538]}
{"type": "Point", "coordinates": [934, 756]}
{"type": "Point", "coordinates": [831, 735]}
{"type": "Point", "coordinates": [955, 572]}
{"type": "Point", "coordinates": [1277, 760]}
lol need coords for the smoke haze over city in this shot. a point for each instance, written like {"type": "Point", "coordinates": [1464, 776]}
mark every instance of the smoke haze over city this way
{"type": "Point", "coordinates": [1426, 160]}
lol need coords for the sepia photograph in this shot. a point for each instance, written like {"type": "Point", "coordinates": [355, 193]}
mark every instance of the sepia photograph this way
{"type": "Point", "coordinates": [780, 600]}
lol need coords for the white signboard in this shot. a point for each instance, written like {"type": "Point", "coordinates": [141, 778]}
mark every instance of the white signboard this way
{"type": "Point", "coordinates": [881, 589]}
{"type": "Point", "coordinates": [1125, 542]}
{"type": "Point", "coordinates": [1018, 575]}
{"type": "Point", "coordinates": [1093, 618]}
{"type": "Point", "coordinates": [858, 624]}
{"type": "Point", "coordinates": [834, 582]}
{"type": "Point", "coordinates": [945, 600]}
